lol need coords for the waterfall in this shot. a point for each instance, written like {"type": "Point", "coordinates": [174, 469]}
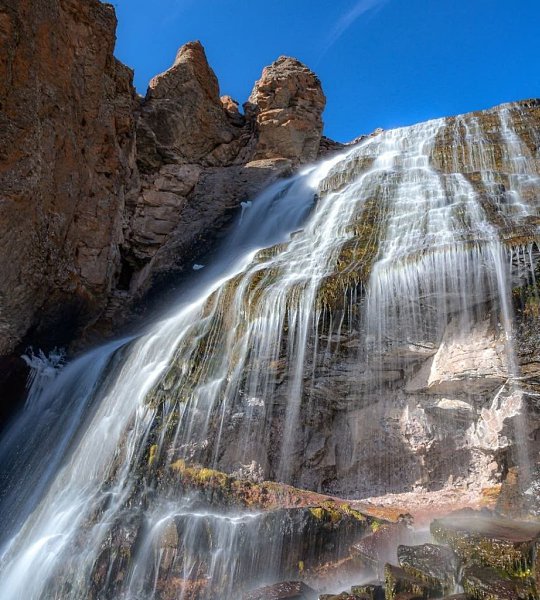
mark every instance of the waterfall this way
{"type": "Point", "coordinates": [353, 275]}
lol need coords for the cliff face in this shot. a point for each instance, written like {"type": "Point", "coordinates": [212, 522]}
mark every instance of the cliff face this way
{"type": "Point", "coordinates": [104, 194]}
{"type": "Point", "coordinates": [199, 158]}
{"type": "Point", "coordinates": [66, 156]}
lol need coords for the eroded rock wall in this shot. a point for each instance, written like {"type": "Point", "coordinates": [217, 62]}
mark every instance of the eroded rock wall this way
{"type": "Point", "coordinates": [67, 163]}
{"type": "Point", "coordinates": [199, 158]}
{"type": "Point", "coordinates": [103, 194]}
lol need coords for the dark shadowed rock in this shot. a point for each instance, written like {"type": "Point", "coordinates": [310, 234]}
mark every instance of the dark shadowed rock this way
{"type": "Point", "coordinates": [373, 591]}
{"type": "Point", "coordinates": [399, 583]}
{"type": "Point", "coordinates": [436, 565]}
{"type": "Point", "coordinates": [66, 163]}
{"type": "Point", "coordinates": [289, 590]}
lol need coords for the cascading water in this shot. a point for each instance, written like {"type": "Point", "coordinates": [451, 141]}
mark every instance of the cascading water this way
{"type": "Point", "coordinates": [414, 244]}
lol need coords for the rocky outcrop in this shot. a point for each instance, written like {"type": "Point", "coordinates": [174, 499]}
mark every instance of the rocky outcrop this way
{"type": "Point", "coordinates": [447, 404]}
{"type": "Point", "coordinates": [105, 196]}
{"type": "Point", "coordinates": [471, 363]}
{"type": "Point", "coordinates": [285, 109]}
{"type": "Point", "coordinates": [182, 118]}
{"type": "Point", "coordinates": [200, 158]}
{"type": "Point", "coordinates": [67, 163]}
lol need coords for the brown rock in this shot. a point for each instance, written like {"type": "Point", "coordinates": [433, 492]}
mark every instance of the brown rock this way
{"type": "Point", "coordinates": [182, 118]}
{"type": "Point", "coordinates": [233, 113]}
{"type": "Point", "coordinates": [329, 147]}
{"type": "Point", "coordinates": [285, 109]}
{"type": "Point", "coordinates": [66, 138]}
{"type": "Point", "coordinates": [291, 590]}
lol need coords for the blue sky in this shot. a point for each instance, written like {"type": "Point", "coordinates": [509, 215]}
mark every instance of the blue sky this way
{"type": "Point", "coordinates": [383, 63]}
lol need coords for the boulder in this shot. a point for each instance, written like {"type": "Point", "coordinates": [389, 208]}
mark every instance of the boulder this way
{"type": "Point", "coordinates": [379, 546]}
{"type": "Point", "coordinates": [400, 584]}
{"type": "Point", "coordinates": [502, 544]}
{"type": "Point", "coordinates": [486, 583]}
{"type": "Point", "coordinates": [345, 596]}
{"type": "Point", "coordinates": [373, 591]}
{"type": "Point", "coordinates": [290, 590]}
{"type": "Point", "coordinates": [436, 565]}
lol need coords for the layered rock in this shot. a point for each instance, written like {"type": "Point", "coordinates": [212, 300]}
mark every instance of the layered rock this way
{"type": "Point", "coordinates": [445, 399]}
{"type": "Point", "coordinates": [200, 158]}
{"type": "Point", "coordinates": [182, 118]}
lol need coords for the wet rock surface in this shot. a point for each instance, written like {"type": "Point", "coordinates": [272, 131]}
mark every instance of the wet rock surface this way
{"type": "Point", "coordinates": [485, 583]}
{"type": "Point", "coordinates": [494, 542]}
{"type": "Point", "coordinates": [437, 565]}
{"type": "Point", "coordinates": [105, 196]}
{"type": "Point", "coordinates": [293, 590]}
{"type": "Point", "coordinates": [399, 583]}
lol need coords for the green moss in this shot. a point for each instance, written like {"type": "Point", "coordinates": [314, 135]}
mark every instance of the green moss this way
{"type": "Point", "coordinates": [200, 476]}
{"type": "Point", "coordinates": [509, 559]}
{"type": "Point", "coordinates": [375, 526]}
{"type": "Point", "coordinates": [397, 581]}
{"type": "Point", "coordinates": [152, 454]}
{"type": "Point", "coordinates": [317, 512]}
{"type": "Point", "coordinates": [355, 259]}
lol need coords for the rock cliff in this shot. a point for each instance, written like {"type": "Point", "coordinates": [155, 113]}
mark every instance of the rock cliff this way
{"type": "Point", "coordinates": [66, 164]}
{"type": "Point", "coordinates": [199, 158]}
{"type": "Point", "coordinates": [104, 193]}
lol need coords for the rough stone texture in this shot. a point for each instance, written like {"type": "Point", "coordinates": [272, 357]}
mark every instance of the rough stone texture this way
{"type": "Point", "coordinates": [485, 583]}
{"type": "Point", "coordinates": [437, 565]}
{"type": "Point", "coordinates": [285, 108]}
{"type": "Point", "coordinates": [471, 363]}
{"type": "Point", "coordinates": [200, 158]}
{"type": "Point", "coordinates": [422, 415]}
{"type": "Point", "coordinates": [182, 118]}
{"type": "Point", "coordinates": [66, 156]}
{"type": "Point", "coordinates": [85, 236]}
{"type": "Point", "coordinates": [398, 581]}
{"type": "Point", "coordinates": [290, 590]}
{"type": "Point", "coordinates": [493, 542]}
{"type": "Point", "coordinates": [328, 147]}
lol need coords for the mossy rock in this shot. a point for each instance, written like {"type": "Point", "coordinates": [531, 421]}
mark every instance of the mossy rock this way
{"type": "Point", "coordinates": [268, 495]}
{"type": "Point", "coordinates": [373, 591]}
{"type": "Point", "coordinates": [345, 596]}
{"type": "Point", "coordinates": [397, 581]}
{"type": "Point", "coordinates": [436, 565]}
{"type": "Point", "coordinates": [487, 583]}
{"type": "Point", "coordinates": [290, 590]}
{"type": "Point", "coordinates": [508, 546]}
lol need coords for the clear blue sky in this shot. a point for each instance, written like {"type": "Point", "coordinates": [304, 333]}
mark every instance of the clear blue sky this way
{"type": "Point", "coordinates": [383, 63]}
